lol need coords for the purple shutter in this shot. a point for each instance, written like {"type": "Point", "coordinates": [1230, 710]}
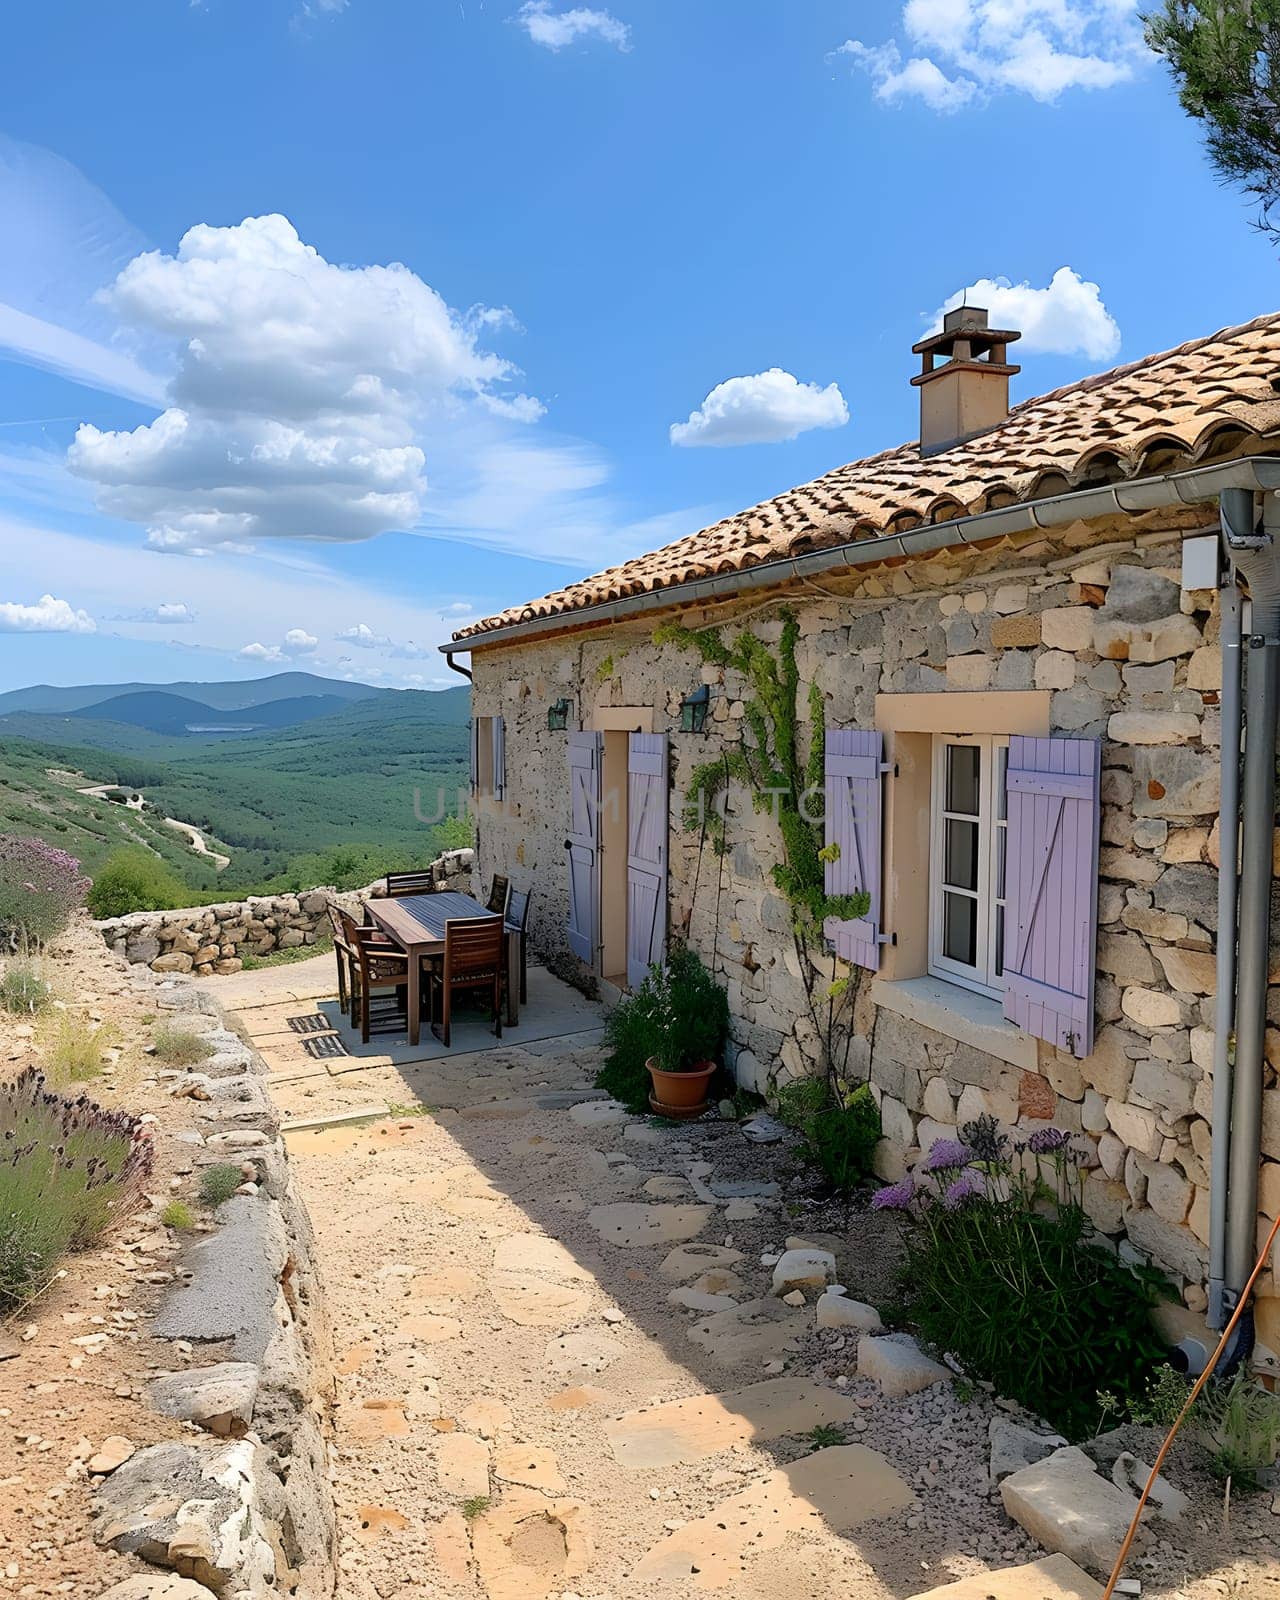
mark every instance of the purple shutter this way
{"type": "Point", "coordinates": [646, 854]}
{"type": "Point", "coordinates": [854, 809]}
{"type": "Point", "coordinates": [475, 755]}
{"type": "Point", "coordinates": [499, 733]}
{"type": "Point", "coordinates": [1051, 893]}
{"type": "Point", "coordinates": [583, 845]}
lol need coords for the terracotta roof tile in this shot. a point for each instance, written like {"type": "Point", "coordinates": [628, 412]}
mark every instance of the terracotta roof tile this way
{"type": "Point", "coordinates": [1107, 425]}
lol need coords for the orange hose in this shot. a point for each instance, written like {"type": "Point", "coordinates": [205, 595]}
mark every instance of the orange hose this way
{"type": "Point", "coordinates": [1183, 1414]}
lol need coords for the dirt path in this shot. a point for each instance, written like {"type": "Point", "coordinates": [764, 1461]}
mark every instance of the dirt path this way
{"type": "Point", "coordinates": [195, 839]}
{"type": "Point", "coordinates": [562, 1372]}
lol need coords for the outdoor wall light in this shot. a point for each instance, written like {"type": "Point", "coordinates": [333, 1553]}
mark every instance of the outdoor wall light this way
{"type": "Point", "coordinates": [693, 710]}
{"type": "Point", "coordinates": [558, 716]}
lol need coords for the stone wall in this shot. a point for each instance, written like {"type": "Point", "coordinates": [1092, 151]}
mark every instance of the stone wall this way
{"type": "Point", "coordinates": [241, 1503]}
{"type": "Point", "coordinates": [215, 939]}
{"type": "Point", "coordinates": [1118, 652]}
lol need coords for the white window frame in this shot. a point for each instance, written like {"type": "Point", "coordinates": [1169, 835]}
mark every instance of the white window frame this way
{"type": "Point", "coordinates": [992, 818]}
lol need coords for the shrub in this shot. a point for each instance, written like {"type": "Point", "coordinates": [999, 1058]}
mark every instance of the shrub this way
{"type": "Point", "coordinates": [841, 1127]}
{"type": "Point", "coordinates": [842, 1138]}
{"type": "Point", "coordinates": [679, 1016]}
{"type": "Point", "coordinates": [40, 887]}
{"type": "Point", "coordinates": [1238, 1423]}
{"type": "Point", "coordinates": [135, 880]}
{"type": "Point", "coordinates": [1001, 1271]}
{"type": "Point", "coordinates": [178, 1214]}
{"type": "Point", "coordinates": [74, 1049]}
{"type": "Point", "coordinates": [69, 1169]}
{"type": "Point", "coordinates": [178, 1046]}
{"type": "Point", "coordinates": [219, 1183]}
{"type": "Point", "coordinates": [23, 990]}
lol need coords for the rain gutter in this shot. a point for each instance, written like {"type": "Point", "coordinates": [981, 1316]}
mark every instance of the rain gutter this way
{"type": "Point", "coordinates": [1131, 498]}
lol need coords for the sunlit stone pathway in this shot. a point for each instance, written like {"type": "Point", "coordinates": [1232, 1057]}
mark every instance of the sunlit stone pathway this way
{"type": "Point", "coordinates": [562, 1369]}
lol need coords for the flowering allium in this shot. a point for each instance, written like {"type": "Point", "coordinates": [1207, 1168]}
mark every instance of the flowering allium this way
{"type": "Point", "coordinates": [968, 1186]}
{"type": "Point", "coordinates": [1047, 1141]}
{"type": "Point", "coordinates": [946, 1154]}
{"type": "Point", "coordinates": [897, 1197]}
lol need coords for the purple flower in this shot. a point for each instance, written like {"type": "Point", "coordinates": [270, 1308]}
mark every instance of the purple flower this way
{"type": "Point", "coordinates": [968, 1186]}
{"type": "Point", "coordinates": [947, 1154]}
{"type": "Point", "coordinates": [897, 1197]}
{"type": "Point", "coordinates": [1047, 1141]}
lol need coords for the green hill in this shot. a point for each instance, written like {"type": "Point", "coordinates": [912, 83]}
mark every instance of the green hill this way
{"type": "Point", "coordinates": [265, 799]}
{"type": "Point", "coordinates": [38, 785]}
{"type": "Point", "coordinates": [226, 696]}
{"type": "Point", "coordinates": [161, 712]}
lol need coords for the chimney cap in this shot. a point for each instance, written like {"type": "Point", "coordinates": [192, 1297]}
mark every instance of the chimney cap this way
{"type": "Point", "coordinates": [966, 322]}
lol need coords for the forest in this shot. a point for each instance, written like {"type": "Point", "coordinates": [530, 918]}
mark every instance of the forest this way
{"type": "Point", "coordinates": [379, 785]}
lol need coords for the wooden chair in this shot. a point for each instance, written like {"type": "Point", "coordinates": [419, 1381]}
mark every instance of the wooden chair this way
{"type": "Point", "coordinates": [517, 921]}
{"type": "Point", "coordinates": [380, 969]}
{"type": "Point", "coordinates": [424, 882]}
{"type": "Point", "coordinates": [498, 894]}
{"type": "Point", "coordinates": [345, 955]}
{"type": "Point", "coordinates": [473, 960]}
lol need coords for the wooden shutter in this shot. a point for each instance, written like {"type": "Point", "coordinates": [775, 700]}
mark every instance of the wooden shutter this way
{"type": "Point", "coordinates": [854, 773]}
{"type": "Point", "coordinates": [583, 845]}
{"type": "Point", "coordinates": [1051, 889]}
{"type": "Point", "coordinates": [499, 737]}
{"type": "Point", "coordinates": [646, 854]}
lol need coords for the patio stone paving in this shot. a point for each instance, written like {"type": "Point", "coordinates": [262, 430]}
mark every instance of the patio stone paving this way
{"type": "Point", "coordinates": [560, 1368]}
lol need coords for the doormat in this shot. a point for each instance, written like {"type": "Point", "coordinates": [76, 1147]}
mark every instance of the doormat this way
{"type": "Point", "coordinates": [317, 1022]}
{"type": "Point", "coordinates": [324, 1046]}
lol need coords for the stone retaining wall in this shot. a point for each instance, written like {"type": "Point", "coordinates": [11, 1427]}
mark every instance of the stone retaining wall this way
{"type": "Point", "coordinates": [215, 939]}
{"type": "Point", "coordinates": [243, 1506]}
{"type": "Point", "coordinates": [1095, 624]}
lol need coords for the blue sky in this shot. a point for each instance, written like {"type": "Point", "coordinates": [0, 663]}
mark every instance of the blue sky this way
{"type": "Point", "coordinates": [613, 218]}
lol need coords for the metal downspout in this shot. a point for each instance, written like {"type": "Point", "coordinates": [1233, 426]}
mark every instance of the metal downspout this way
{"type": "Point", "coordinates": [1257, 557]}
{"type": "Point", "coordinates": [1236, 507]}
{"type": "Point", "coordinates": [453, 665]}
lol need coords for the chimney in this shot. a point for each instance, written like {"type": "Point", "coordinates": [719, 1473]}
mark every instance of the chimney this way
{"type": "Point", "coordinates": [968, 393]}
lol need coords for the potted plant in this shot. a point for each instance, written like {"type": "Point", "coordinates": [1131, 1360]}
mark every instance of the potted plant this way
{"type": "Point", "coordinates": [689, 1015]}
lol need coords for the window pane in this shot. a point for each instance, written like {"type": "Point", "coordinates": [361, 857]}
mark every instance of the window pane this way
{"type": "Point", "coordinates": [962, 778]}
{"type": "Point", "coordinates": [1002, 839]}
{"type": "Point", "coordinates": [1002, 769]}
{"type": "Point", "coordinates": [999, 940]}
{"type": "Point", "coordinates": [961, 865]}
{"type": "Point", "coordinates": [960, 929]}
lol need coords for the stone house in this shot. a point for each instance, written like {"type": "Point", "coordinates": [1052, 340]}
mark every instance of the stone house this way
{"type": "Point", "coordinates": [1017, 629]}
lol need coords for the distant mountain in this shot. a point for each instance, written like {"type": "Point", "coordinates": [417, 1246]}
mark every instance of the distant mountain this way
{"type": "Point", "coordinates": [160, 711]}
{"type": "Point", "coordinates": [237, 696]}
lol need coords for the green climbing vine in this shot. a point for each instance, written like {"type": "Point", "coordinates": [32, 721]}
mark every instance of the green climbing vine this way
{"type": "Point", "coordinates": [781, 777]}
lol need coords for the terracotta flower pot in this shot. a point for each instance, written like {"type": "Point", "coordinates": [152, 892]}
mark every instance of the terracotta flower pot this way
{"type": "Point", "coordinates": [680, 1094]}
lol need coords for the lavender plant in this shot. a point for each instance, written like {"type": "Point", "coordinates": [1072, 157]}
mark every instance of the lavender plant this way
{"type": "Point", "coordinates": [1002, 1271]}
{"type": "Point", "coordinates": [40, 887]}
{"type": "Point", "coordinates": [68, 1169]}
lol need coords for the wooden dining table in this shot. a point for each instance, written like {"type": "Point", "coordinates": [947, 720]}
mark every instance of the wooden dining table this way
{"type": "Point", "coordinates": [416, 923]}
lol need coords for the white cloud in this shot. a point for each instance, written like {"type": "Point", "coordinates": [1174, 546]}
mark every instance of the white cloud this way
{"type": "Point", "coordinates": [168, 612]}
{"type": "Point", "coordinates": [1067, 318]}
{"type": "Point", "coordinates": [362, 635]}
{"type": "Point", "coordinates": [976, 48]}
{"type": "Point", "coordinates": [297, 642]}
{"type": "Point", "coordinates": [38, 343]}
{"type": "Point", "coordinates": [63, 239]}
{"type": "Point", "coordinates": [300, 390]}
{"type": "Point", "coordinates": [556, 29]}
{"type": "Point", "coordinates": [48, 615]}
{"type": "Point", "coordinates": [763, 409]}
